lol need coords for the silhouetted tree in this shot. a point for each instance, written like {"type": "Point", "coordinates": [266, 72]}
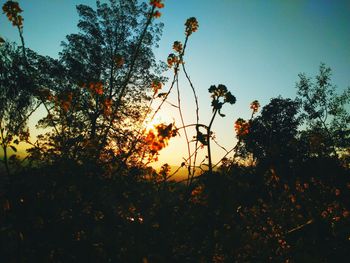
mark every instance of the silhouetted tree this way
{"type": "Point", "coordinates": [272, 136]}
{"type": "Point", "coordinates": [109, 67]}
{"type": "Point", "coordinates": [16, 99]}
{"type": "Point", "coordinates": [326, 114]}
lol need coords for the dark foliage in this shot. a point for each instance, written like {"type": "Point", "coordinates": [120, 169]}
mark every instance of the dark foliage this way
{"type": "Point", "coordinates": [65, 214]}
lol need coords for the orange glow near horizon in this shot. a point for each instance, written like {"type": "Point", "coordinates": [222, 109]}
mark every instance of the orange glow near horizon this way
{"type": "Point", "coordinates": [158, 119]}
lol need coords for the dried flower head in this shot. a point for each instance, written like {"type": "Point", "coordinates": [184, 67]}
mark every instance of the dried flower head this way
{"type": "Point", "coordinates": [172, 60]}
{"type": "Point", "coordinates": [241, 127]}
{"type": "Point", "coordinates": [157, 14]}
{"type": "Point", "coordinates": [12, 10]}
{"type": "Point", "coordinates": [158, 138]}
{"type": "Point", "coordinates": [255, 105]}
{"type": "Point", "coordinates": [191, 25]}
{"type": "Point", "coordinates": [96, 88]}
{"type": "Point", "coordinates": [107, 106]}
{"type": "Point", "coordinates": [156, 85]}
{"type": "Point", "coordinates": [177, 46]}
{"type": "Point", "coordinates": [156, 3]}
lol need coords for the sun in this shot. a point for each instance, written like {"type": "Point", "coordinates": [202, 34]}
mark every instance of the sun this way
{"type": "Point", "coordinates": [158, 119]}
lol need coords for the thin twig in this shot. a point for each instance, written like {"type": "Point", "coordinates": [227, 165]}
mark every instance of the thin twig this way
{"type": "Point", "coordinates": [218, 144]}
{"type": "Point", "coordinates": [183, 124]}
{"type": "Point", "coordinates": [299, 226]}
{"type": "Point", "coordinates": [197, 112]}
{"type": "Point", "coordinates": [186, 160]}
{"type": "Point", "coordinates": [176, 72]}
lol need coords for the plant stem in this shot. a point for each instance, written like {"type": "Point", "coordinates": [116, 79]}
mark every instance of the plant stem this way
{"type": "Point", "coordinates": [208, 141]}
{"type": "Point", "coordinates": [183, 124]}
{"type": "Point", "coordinates": [197, 117]}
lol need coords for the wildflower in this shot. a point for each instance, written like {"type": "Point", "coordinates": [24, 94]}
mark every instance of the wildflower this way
{"type": "Point", "coordinates": [158, 139]}
{"type": "Point", "coordinates": [241, 127]}
{"type": "Point", "coordinates": [196, 194]}
{"type": "Point", "coordinates": [96, 88]}
{"type": "Point", "coordinates": [330, 209]}
{"type": "Point", "coordinates": [107, 104]}
{"type": "Point", "coordinates": [219, 91]}
{"type": "Point", "coordinates": [191, 25]}
{"type": "Point", "coordinates": [255, 105]}
{"type": "Point", "coordinates": [157, 14]}
{"type": "Point", "coordinates": [12, 10]}
{"type": "Point", "coordinates": [156, 3]}
{"type": "Point", "coordinates": [99, 88]}
{"type": "Point", "coordinates": [177, 46]}
{"type": "Point", "coordinates": [283, 244]}
{"type": "Point", "coordinates": [156, 85]}
{"type": "Point", "coordinates": [336, 218]}
{"type": "Point", "coordinates": [172, 59]}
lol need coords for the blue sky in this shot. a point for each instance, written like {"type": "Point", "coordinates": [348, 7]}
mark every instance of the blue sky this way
{"type": "Point", "coordinates": [256, 48]}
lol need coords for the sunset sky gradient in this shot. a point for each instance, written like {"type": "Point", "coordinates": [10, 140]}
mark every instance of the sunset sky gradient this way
{"type": "Point", "coordinates": [256, 48]}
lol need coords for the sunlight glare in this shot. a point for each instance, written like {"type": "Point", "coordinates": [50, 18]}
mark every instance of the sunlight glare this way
{"type": "Point", "coordinates": [158, 119]}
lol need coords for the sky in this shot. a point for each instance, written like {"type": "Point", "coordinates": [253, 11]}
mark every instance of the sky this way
{"type": "Point", "coordinates": [256, 48]}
